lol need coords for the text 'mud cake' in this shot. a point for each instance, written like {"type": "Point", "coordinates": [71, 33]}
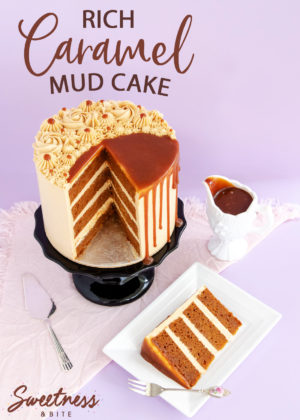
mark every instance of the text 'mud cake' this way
{"type": "Point", "coordinates": [185, 344]}
{"type": "Point", "coordinates": [104, 158]}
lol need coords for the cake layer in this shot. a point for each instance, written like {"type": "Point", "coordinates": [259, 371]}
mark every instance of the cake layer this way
{"type": "Point", "coordinates": [190, 340]}
{"type": "Point", "coordinates": [91, 202]}
{"type": "Point", "coordinates": [230, 322]}
{"type": "Point", "coordinates": [91, 211]}
{"type": "Point", "coordinates": [130, 235]}
{"type": "Point", "coordinates": [152, 354]}
{"type": "Point", "coordinates": [182, 347]}
{"type": "Point", "coordinates": [102, 210]}
{"type": "Point", "coordinates": [120, 175]}
{"type": "Point", "coordinates": [86, 175]}
{"type": "Point", "coordinates": [126, 214]}
{"type": "Point", "coordinates": [121, 192]}
{"type": "Point", "coordinates": [176, 358]}
{"type": "Point", "coordinates": [205, 326]}
{"type": "Point", "coordinates": [81, 247]}
{"type": "Point", "coordinates": [95, 186]}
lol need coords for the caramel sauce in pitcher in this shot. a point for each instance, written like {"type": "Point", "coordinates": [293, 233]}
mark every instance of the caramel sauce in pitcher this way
{"type": "Point", "coordinates": [227, 197]}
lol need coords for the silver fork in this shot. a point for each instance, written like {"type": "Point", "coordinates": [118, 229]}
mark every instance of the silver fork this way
{"type": "Point", "coordinates": [153, 390]}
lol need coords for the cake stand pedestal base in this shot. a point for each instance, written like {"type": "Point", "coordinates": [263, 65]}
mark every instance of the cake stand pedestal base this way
{"type": "Point", "coordinates": [113, 292]}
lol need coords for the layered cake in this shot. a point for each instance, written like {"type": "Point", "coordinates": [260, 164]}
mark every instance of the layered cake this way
{"type": "Point", "coordinates": [107, 159]}
{"type": "Point", "coordinates": [185, 344]}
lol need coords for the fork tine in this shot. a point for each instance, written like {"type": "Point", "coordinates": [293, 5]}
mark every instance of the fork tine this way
{"type": "Point", "coordinates": [137, 382]}
{"type": "Point", "coordinates": [139, 391]}
{"type": "Point", "coordinates": [141, 388]}
{"type": "Point", "coordinates": [138, 386]}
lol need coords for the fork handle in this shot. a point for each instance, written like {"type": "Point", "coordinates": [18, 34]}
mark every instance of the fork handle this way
{"type": "Point", "coordinates": [213, 391]}
{"type": "Point", "coordinates": [64, 361]}
{"type": "Point", "coordinates": [184, 389]}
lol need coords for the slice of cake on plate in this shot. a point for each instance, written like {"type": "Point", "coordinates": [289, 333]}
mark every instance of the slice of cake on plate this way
{"type": "Point", "coordinates": [185, 344]}
{"type": "Point", "coordinates": [104, 158]}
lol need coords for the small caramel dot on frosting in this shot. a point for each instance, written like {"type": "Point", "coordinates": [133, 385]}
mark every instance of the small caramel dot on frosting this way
{"type": "Point", "coordinates": [87, 130]}
{"type": "Point", "coordinates": [108, 128]}
{"type": "Point", "coordinates": [88, 102]}
{"type": "Point", "coordinates": [77, 141]}
{"type": "Point", "coordinates": [51, 120]}
{"type": "Point", "coordinates": [139, 106]}
{"type": "Point", "coordinates": [142, 115]}
{"type": "Point", "coordinates": [104, 115]}
{"type": "Point", "coordinates": [64, 108]}
{"type": "Point", "coordinates": [47, 156]}
{"type": "Point", "coordinates": [69, 156]}
{"type": "Point", "coordinates": [62, 130]}
{"type": "Point", "coordinates": [102, 100]}
{"type": "Point", "coordinates": [65, 174]}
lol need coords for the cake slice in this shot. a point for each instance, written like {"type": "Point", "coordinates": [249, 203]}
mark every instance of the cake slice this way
{"type": "Point", "coordinates": [185, 344]}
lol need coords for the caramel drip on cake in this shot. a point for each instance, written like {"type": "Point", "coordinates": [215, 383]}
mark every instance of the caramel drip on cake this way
{"type": "Point", "coordinates": [175, 175]}
{"type": "Point", "coordinates": [175, 186]}
{"type": "Point", "coordinates": [146, 225]}
{"type": "Point", "coordinates": [173, 172]}
{"type": "Point", "coordinates": [176, 205]}
{"type": "Point", "coordinates": [168, 208]}
{"type": "Point", "coordinates": [161, 184]}
{"type": "Point", "coordinates": [154, 214]}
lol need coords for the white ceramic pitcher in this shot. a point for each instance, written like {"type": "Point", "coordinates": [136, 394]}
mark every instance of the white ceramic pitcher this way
{"type": "Point", "coordinates": [228, 242]}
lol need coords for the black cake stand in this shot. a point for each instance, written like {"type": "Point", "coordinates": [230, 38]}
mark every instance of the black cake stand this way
{"type": "Point", "coordinates": [109, 286]}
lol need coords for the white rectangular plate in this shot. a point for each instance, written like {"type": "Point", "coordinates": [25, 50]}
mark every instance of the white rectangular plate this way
{"type": "Point", "coordinates": [257, 318]}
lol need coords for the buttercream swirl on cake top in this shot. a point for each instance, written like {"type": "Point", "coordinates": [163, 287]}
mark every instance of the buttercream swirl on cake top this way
{"type": "Point", "coordinates": [66, 136]}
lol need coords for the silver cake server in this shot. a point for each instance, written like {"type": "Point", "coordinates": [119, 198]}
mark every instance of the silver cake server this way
{"type": "Point", "coordinates": [40, 306]}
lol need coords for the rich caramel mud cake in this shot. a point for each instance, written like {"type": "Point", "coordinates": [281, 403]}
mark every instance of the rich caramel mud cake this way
{"type": "Point", "coordinates": [107, 158]}
{"type": "Point", "coordinates": [185, 344]}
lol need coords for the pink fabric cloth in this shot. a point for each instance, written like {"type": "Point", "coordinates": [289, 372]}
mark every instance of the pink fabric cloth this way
{"type": "Point", "coordinates": [26, 352]}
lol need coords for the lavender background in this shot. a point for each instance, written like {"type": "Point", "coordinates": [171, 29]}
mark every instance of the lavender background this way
{"type": "Point", "coordinates": [235, 112]}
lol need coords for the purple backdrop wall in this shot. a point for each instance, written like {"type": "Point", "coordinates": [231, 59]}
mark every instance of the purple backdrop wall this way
{"type": "Point", "coordinates": [236, 111]}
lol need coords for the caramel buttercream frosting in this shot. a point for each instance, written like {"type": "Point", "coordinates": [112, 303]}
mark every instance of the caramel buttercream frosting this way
{"type": "Point", "coordinates": [64, 137]}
